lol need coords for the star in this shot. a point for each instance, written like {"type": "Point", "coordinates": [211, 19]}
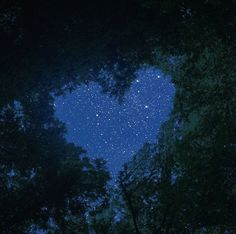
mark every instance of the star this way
{"type": "Point", "coordinates": [104, 127]}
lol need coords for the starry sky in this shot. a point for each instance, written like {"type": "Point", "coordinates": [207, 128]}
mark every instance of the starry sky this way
{"type": "Point", "coordinates": [113, 130]}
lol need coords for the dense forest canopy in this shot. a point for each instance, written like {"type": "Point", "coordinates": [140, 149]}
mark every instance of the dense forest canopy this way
{"type": "Point", "coordinates": [183, 184]}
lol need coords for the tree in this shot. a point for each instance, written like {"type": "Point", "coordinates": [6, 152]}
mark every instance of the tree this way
{"type": "Point", "coordinates": [44, 178]}
{"type": "Point", "coordinates": [189, 185]}
{"type": "Point", "coordinates": [196, 147]}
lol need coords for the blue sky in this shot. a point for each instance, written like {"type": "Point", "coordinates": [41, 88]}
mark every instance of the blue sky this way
{"type": "Point", "coordinates": [114, 131]}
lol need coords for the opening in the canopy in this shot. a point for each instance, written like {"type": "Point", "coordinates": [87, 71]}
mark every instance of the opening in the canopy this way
{"type": "Point", "coordinates": [113, 130]}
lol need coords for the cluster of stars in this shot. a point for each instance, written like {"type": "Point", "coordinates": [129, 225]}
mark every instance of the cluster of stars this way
{"type": "Point", "coordinates": [115, 131]}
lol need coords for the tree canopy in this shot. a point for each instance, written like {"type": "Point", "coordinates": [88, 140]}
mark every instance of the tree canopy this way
{"type": "Point", "coordinates": [185, 183]}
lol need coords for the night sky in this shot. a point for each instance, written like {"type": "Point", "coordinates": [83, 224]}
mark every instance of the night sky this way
{"type": "Point", "coordinates": [114, 131]}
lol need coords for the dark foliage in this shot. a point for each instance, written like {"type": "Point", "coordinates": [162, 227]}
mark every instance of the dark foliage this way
{"type": "Point", "coordinates": [183, 184]}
